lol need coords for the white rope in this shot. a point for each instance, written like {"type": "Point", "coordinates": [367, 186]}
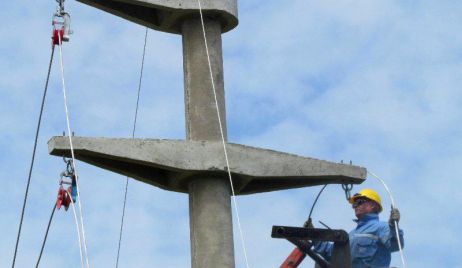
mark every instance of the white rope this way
{"type": "Point", "coordinates": [396, 223]}
{"type": "Point", "coordinates": [222, 137]}
{"type": "Point", "coordinates": [72, 149]}
{"type": "Point", "coordinates": [78, 228]}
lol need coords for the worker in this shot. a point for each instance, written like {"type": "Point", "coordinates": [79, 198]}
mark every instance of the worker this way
{"type": "Point", "coordinates": [372, 241]}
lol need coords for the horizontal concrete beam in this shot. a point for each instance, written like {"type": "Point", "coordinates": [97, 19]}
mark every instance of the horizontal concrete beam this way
{"type": "Point", "coordinates": [167, 15]}
{"type": "Point", "coordinates": [172, 164]}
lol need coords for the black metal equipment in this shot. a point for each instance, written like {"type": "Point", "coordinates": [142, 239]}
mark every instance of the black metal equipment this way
{"type": "Point", "coordinates": [302, 237]}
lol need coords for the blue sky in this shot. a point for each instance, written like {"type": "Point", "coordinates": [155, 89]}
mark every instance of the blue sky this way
{"type": "Point", "coordinates": [375, 82]}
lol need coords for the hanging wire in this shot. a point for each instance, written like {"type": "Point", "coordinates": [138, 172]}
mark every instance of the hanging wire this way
{"type": "Point", "coordinates": [316, 200]}
{"type": "Point", "coordinates": [133, 136]}
{"type": "Point", "coordinates": [139, 83]}
{"type": "Point", "coordinates": [222, 136]}
{"type": "Point", "coordinates": [396, 223]}
{"type": "Point", "coordinates": [72, 150]}
{"type": "Point", "coordinates": [33, 155]}
{"type": "Point", "coordinates": [46, 235]}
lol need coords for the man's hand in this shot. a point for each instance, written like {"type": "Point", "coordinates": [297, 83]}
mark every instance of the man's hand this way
{"type": "Point", "coordinates": [308, 224]}
{"type": "Point", "coordinates": [394, 217]}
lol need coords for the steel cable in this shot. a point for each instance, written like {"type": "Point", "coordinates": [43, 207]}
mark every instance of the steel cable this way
{"type": "Point", "coordinates": [316, 200]}
{"type": "Point", "coordinates": [33, 155]}
{"type": "Point", "coordinates": [133, 136]}
{"type": "Point", "coordinates": [46, 235]}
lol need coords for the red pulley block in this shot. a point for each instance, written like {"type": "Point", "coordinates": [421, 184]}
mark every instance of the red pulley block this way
{"type": "Point", "coordinates": [63, 198]}
{"type": "Point", "coordinates": [56, 36]}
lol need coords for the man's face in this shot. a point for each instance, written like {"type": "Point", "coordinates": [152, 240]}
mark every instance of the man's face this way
{"type": "Point", "coordinates": [363, 206]}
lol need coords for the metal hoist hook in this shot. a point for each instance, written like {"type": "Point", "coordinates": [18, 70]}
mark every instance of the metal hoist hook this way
{"type": "Point", "coordinates": [61, 5]}
{"type": "Point", "coordinates": [66, 196]}
{"type": "Point", "coordinates": [61, 25]}
{"type": "Point", "coordinates": [69, 166]}
{"type": "Point", "coordinates": [347, 188]}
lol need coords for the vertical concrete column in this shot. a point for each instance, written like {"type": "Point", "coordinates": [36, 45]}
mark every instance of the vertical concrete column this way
{"type": "Point", "coordinates": [200, 108]}
{"type": "Point", "coordinates": [209, 198]}
{"type": "Point", "coordinates": [211, 223]}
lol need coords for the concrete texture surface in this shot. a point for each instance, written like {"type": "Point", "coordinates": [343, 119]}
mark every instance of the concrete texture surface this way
{"type": "Point", "coordinates": [200, 108]}
{"type": "Point", "coordinates": [211, 226]}
{"type": "Point", "coordinates": [171, 164]}
{"type": "Point", "coordinates": [168, 15]}
{"type": "Point", "coordinates": [211, 223]}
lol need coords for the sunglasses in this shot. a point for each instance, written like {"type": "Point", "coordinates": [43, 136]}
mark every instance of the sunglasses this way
{"type": "Point", "coordinates": [359, 202]}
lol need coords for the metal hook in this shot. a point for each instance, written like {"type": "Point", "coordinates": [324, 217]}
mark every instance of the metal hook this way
{"type": "Point", "coordinates": [63, 19]}
{"type": "Point", "coordinates": [61, 5]}
{"type": "Point", "coordinates": [70, 167]}
{"type": "Point", "coordinates": [347, 188]}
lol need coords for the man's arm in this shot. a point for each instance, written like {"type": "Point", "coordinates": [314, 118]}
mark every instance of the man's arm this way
{"type": "Point", "coordinates": [388, 235]}
{"type": "Point", "coordinates": [395, 216]}
{"type": "Point", "coordinates": [324, 249]}
{"type": "Point", "coordinates": [393, 241]}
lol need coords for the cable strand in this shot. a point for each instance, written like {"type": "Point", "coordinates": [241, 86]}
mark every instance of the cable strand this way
{"type": "Point", "coordinates": [46, 235]}
{"type": "Point", "coordinates": [33, 155]}
{"type": "Point", "coordinates": [139, 83]}
{"type": "Point", "coordinates": [133, 136]}
{"type": "Point", "coordinates": [122, 222]}
{"type": "Point", "coordinates": [316, 200]}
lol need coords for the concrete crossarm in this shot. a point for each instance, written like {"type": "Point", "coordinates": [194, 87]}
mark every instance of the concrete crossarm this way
{"type": "Point", "coordinates": [172, 164]}
{"type": "Point", "coordinates": [167, 15]}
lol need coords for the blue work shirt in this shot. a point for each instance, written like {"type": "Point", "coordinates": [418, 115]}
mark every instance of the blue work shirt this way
{"type": "Point", "coordinates": [371, 243]}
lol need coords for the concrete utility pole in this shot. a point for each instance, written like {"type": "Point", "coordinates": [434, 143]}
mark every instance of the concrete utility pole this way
{"type": "Point", "coordinates": [209, 194]}
{"type": "Point", "coordinates": [197, 165]}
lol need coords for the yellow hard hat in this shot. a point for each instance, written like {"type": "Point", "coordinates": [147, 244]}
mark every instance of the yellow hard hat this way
{"type": "Point", "coordinates": [369, 194]}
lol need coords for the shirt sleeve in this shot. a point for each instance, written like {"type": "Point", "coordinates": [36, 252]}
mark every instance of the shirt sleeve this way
{"type": "Point", "coordinates": [324, 249]}
{"type": "Point", "coordinates": [389, 239]}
